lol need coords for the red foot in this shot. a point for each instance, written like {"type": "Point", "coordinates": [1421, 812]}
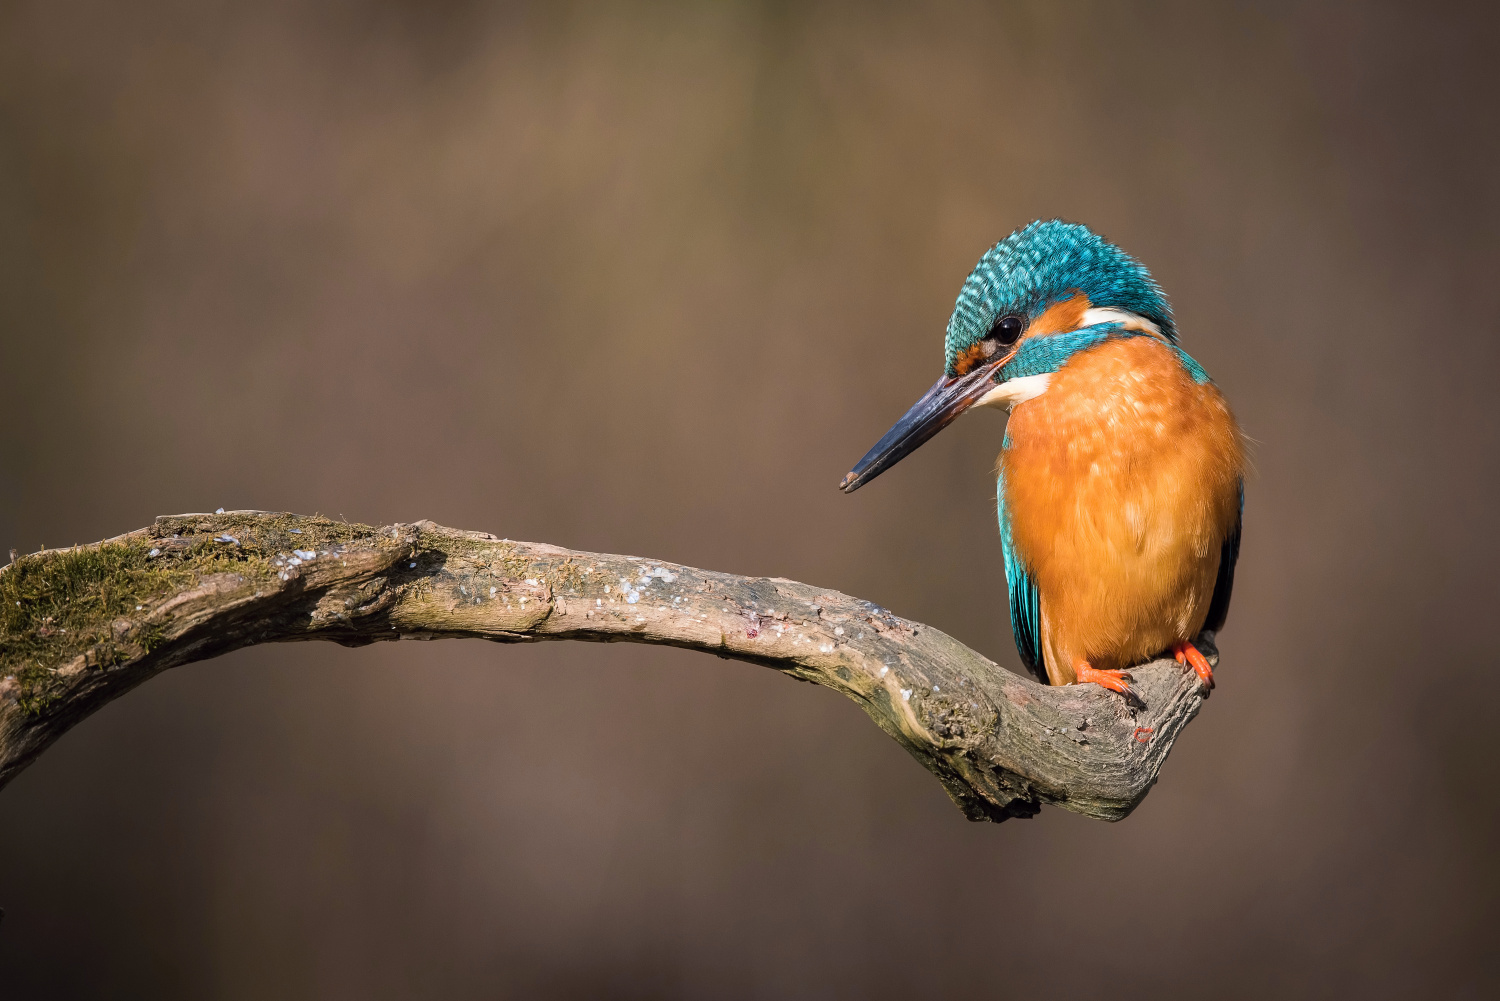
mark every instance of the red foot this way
{"type": "Point", "coordinates": [1186, 653]}
{"type": "Point", "coordinates": [1115, 681]}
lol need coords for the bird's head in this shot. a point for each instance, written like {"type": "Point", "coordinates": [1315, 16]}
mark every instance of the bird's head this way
{"type": "Point", "coordinates": [1042, 294]}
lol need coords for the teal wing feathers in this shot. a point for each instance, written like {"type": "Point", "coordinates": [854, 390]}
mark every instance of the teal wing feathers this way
{"type": "Point", "coordinates": [1025, 602]}
{"type": "Point", "coordinates": [1229, 555]}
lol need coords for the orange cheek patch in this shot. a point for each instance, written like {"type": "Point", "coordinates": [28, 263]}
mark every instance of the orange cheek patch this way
{"type": "Point", "coordinates": [1055, 319]}
{"type": "Point", "coordinates": [1060, 316]}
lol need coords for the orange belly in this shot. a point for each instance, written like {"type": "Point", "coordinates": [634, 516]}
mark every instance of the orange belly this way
{"type": "Point", "coordinates": [1121, 483]}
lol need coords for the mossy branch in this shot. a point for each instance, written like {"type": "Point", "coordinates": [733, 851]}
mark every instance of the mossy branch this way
{"type": "Point", "coordinates": [81, 626]}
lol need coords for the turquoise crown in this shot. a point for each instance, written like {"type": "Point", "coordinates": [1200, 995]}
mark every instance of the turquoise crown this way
{"type": "Point", "coordinates": [1044, 263]}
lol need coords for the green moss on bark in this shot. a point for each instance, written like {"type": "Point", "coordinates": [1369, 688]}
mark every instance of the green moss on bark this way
{"type": "Point", "coordinates": [59, 604]}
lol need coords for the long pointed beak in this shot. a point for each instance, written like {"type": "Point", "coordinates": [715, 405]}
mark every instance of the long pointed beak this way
{"type": "Point", "coordinates": [948, 397]}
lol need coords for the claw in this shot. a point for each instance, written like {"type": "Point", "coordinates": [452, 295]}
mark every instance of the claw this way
{"type": "Point", "coordinates": [1115, 681]}
{"type": "Point", "coordinates": [1188, 654]}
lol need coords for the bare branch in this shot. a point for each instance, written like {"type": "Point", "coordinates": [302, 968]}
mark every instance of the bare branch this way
{"type": "Point", "coordinates": [81, 626]}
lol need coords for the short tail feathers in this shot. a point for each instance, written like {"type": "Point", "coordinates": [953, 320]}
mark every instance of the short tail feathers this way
{"type": "Point", "coordinates": [1218, 608]}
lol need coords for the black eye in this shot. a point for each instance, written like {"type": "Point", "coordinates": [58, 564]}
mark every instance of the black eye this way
{"type": "Point", "coordinates": [1007, 330]}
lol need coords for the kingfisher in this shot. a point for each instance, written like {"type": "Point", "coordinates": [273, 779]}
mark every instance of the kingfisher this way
{"type": "Point", "coordinates": [1120, 481]}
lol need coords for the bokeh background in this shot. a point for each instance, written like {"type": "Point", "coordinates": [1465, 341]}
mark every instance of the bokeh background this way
{"type": "Point", "coordinates": [647, 279]}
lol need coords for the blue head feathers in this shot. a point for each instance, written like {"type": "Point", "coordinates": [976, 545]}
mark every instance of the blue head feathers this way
{"type": "Point", "coordinates": [1043, 264]}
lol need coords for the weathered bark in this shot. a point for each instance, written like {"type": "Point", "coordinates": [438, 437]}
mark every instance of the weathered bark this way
{"type": "Point", "coordinates": [84, 625]}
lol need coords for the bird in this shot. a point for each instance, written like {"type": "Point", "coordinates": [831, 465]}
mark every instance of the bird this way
{"type": "Point", "coordinates": [1120, 479]}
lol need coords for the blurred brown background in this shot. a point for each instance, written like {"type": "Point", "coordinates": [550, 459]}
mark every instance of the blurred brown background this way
{"type": "Point", "coordinates": [648, 280]}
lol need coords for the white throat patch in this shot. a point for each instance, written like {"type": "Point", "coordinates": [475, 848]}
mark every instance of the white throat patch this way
{"type": "Point", "coordinates": [1013, 391]}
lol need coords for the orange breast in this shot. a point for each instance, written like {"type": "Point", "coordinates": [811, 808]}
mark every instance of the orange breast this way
{"type": "Point", "coordinates": [1122, 482]}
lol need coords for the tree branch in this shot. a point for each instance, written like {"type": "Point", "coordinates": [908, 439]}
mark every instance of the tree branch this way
{"type": "Point", "coordinates": [82, 626]}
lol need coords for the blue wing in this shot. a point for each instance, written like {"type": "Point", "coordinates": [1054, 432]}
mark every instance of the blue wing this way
{"type": "Point", "coordinates": [1025, 603]}
{"type": "Point", "coordinates": [1229, 555]}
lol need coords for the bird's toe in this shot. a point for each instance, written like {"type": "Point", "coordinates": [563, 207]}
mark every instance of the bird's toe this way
{"type": "Point", "coordinates": [1115, 681]}
{"type": "Point", "coordinates": [1188, 655]}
